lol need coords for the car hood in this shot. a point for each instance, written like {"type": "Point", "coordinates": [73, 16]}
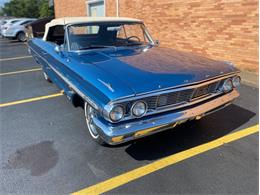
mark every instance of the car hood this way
{"type": "Point", "coordinates": [148, 69]}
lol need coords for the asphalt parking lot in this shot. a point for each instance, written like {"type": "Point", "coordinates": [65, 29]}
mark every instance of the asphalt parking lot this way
{"type": "Point", "coordinates": [46, 148]}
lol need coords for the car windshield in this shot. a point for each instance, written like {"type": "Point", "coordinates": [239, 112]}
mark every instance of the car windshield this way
{"type": "Point", "coordinates": [2, 22]}
{"type": "Point", "coordinates": [104, 35]}
{"type": "Point", "coordinates": [14, 21]}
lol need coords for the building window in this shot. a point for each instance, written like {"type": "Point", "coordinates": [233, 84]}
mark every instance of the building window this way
{"type": "Point", "coordinates": [95, 8]}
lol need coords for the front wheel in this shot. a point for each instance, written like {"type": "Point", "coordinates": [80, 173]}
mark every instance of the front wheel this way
{"type": "Point", "coordinates": [21, 37]}
{"type": "Point", "coordinates": [90, 113]}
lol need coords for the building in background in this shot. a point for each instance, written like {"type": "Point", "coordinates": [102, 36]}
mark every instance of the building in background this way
{"type": "Point", "coordinates": [219, 29]}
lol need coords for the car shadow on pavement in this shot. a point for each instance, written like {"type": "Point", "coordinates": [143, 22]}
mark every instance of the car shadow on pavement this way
{"type": "Point", "coordinates": [190, 134]}
{"type": "Point", "coordinates": [12, 40]}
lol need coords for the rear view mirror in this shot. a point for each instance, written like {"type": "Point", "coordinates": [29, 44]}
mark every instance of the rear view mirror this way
{"type": "Point", "coordinates": [59, 48]}
{"type": "Point", "coordinates": [156, 43]}
{"type": "Point", "coordinates": [114, 28]}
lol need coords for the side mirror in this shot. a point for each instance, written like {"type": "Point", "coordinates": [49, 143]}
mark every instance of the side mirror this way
{"type": "Point", "coordinates": [57, 49]}
{"type": "Point", "coordinates": [156, 43]}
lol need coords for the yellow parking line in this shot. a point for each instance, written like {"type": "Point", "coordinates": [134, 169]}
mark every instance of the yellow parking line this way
{"type": "Point", "coordinates": [31, 99]}
{"type": "Point", "coordinates": [164, 162]}
{"type": "Point", "coordinates": [15, 58]}
{"type": "Point", "coordinates": [20, 71]}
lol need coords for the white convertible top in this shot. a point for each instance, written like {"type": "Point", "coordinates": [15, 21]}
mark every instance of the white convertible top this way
{"type": "Point", "coordinates": [75, 20]}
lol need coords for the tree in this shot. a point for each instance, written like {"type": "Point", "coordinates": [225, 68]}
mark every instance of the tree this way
{"type": "Point", "coordinates": [45, 10]}
{"type": "Point", "coordinates": [28, 8]}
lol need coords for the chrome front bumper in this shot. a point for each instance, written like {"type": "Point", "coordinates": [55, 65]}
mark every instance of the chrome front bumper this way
{"type": "Point", "coordinates": [118, 133]}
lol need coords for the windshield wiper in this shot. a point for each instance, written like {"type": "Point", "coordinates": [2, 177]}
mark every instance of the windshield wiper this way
{"type": "Point", "coordinates": [96, 47]}
{"type": "Point", "coordinates": [134, 44]}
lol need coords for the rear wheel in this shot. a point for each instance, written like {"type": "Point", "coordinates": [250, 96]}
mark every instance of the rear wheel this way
{"type": "Point", "coordinates": [21, 37]}
{"type": "Point", "coordinates": [46, 77]}
{"type": "Point", "coordinates": [90, 113]}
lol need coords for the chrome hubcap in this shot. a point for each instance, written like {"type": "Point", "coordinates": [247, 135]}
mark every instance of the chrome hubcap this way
{"type": "Point", "coordinates": [22, 37]}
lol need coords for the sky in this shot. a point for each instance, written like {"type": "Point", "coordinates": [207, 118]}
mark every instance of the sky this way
{"type": "Point", "coordinates": [2, 2]}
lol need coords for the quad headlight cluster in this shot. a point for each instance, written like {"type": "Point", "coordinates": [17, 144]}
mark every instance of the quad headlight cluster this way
{"type": "Point", "coordinates": [236, 81]}
{"type": "Point", "coordinates": [231, 83]}
{"type": "Point", "coordinates": [139, 109]}
{"type": "Point", "coordinates": [116, 113]}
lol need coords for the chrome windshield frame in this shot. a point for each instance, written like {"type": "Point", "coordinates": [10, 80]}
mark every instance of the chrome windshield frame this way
{"type": "Point", "coordinates": [145, 30]}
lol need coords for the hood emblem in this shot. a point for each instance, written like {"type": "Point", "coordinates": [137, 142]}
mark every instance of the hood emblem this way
{"type": "Point", "coordinates": [207, 75]}
{"type": "Point", "coordinates": [108, 85]}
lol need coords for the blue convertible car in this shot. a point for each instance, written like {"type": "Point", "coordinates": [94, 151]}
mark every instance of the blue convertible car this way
{"type": "Point", "coordinates": [130, 86]}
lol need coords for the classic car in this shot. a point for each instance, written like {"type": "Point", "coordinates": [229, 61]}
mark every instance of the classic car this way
{"type": "Point", "coordinates": [130, 86]}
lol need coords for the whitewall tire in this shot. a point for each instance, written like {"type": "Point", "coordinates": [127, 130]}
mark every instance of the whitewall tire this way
{"type": "Point", "coordinates": [90, 113]}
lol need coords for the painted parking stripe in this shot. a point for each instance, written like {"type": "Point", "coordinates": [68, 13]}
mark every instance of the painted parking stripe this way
{"type": "Point", "coordinates": [11, 44]}
{"type": "Point", "coordinates": [4, 41]}
{"type": "Point", "coordinates": [164, 162]}
{"type": "Point", "coordinates": [20, 71]}
{"type": "Point", "coordinates": [31, 99]}
{"type": "Point", "coordinates": [15, 58]}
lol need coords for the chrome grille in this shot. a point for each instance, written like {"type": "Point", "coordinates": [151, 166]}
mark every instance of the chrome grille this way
{"type": "Point", "coordinates": [177, 98]}
{"type": "Point", "coordinates": [205, 90]}
{"type": "Point", "coordinates": [151, 102]}
{"type": "Point", "coordinates": [174, 98]}
{"type": "Point", "coordinates": [181, 97]}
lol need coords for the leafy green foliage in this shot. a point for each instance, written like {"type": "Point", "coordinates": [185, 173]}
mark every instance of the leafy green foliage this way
{"type": "Point", "coordinates": [28, 8]}
{"type": "Point", "coordinates": [45, 10]}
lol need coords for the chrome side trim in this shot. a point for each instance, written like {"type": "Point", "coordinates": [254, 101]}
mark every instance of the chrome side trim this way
{"type": "Point", "coordinates": [71, 85]}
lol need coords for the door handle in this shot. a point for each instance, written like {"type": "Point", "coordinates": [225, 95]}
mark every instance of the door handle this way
{"type": "Point", "coordinates": [43, 53]}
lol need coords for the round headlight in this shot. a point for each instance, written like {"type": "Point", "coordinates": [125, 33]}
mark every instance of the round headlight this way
{"type": "Point", "coordinates": [227, 86]}
{"type": "Point", "coordinates": [236, 81]}
{"type": "Point", "coordinates": [117, 113]}
{"type": "Point", "coordinates": [139, 109]}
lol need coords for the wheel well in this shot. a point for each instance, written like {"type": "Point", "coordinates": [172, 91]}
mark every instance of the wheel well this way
{"type": "Point", "coordinates": [18, 33]}
{"type": "Point", "coordinates": [77, 101]}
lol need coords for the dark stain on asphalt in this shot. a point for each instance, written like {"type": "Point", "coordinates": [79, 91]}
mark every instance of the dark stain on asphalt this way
{"type": "Point", "coordinates": [38, 158]}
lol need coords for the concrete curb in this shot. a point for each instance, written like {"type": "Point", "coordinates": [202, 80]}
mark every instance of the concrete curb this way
{"type": "Point", "coordinates": [249, 78]}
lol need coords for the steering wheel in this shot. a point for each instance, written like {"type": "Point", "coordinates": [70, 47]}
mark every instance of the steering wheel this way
{"type": "Point", "coordinates": [135, 37]}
